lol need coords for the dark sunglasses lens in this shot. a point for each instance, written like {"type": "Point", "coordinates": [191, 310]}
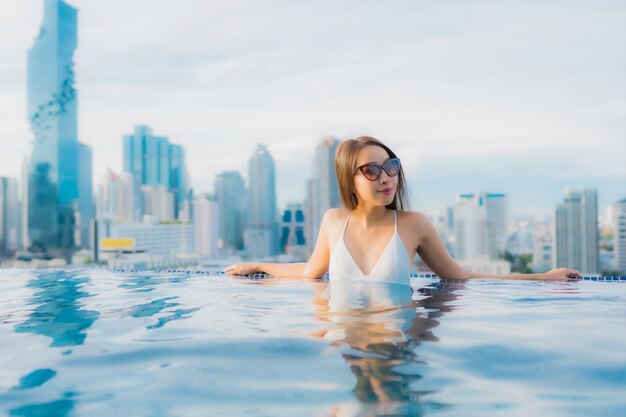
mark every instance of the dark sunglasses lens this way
{"type": "Point", "coordinates": [371, 172]}
{"type": "Point", "coordinates": [392, 167]}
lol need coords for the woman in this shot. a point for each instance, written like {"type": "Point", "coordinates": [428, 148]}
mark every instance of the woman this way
{"type": "Point", "coordinates": [374, 238]}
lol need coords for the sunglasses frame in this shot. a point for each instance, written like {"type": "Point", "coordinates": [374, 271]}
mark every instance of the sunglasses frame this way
{"type": "Point", "coordinates": [380, 167]}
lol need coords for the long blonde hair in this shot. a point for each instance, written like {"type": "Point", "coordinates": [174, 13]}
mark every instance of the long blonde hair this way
{"type": "Point", "coordinates": [345, 164]}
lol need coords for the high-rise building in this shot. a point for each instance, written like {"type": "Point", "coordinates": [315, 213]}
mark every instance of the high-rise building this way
{"type": "Point", "coordinates": [292, 240]}
{"type": "Point", "coordinates": [59, 173]}
{"type": "Point", "coordinates": [470, 230]}
{"type": "Point", "coordinates": [158, 202]}
{"type": "Point", "coordinates": [120, 199]}
{"type": "Point", "coordinates": [156, 162]}
{"type": "Point", "coordinates": [260, 236]}
{"type": "Point", "coordinates": [230, 192]}
{"type": "Point", "coordinates": [24, 241]}
{"type": "Point", "coordinates": [542, 254]}
{"type": "Point", "coordinates": [86, 209]}
{"type": "Point", "coordinates": [480, 225]}
{"type": "Point", "coordinates": [576, 230]}
{"type": "Point", "coordinates": [322, 189]}
{"type": "Point", "coordinates": [9, 217]}
{"type": "Point", "coordinates": [205, 225]}
{"type": "Point", "coordinates": [619, 235]}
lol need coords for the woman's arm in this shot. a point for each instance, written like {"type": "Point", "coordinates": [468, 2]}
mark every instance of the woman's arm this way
{"type": "Point", "coordinates": [316, 267]}
{"type": "Point", "coordinates": [432, 250]}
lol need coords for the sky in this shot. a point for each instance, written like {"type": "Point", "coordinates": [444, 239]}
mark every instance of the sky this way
{"type": "Point", "coordinates": [522, 97]}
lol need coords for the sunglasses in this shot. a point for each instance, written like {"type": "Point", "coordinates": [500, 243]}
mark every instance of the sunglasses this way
{"type": "Point", "coordinates": [372, 171]}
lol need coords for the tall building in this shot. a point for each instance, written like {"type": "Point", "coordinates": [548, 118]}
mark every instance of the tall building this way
{"type": "Point", "coordinates": [470, 230]}
{"type": "Point", "coordinates": [9, 217]}
{"type": "Point", "coordinates": [292, 240]}
{"type": "Point", "coordinates": [120, 199]}
{"type": "Point", "coordinates": [260, 236]}
{"type": "Point", "coordinates": [619, 235]}
{"type": "Point", "coordinates": [59, 172]}
{"type": "Point", "coordinates": [576, 230]}
{"type": "Point", "coordinates": [156, 162]}
{"type": "Point", "coordinates": [230, 192]}
{"type": "Point", "coordinates": [205, 225]}
{"type": "Point", "coordinates": [24, 241]}
{"type": "Point", "coordinates": [322, 188]}
{"type": "Point", "coordinates": [480, 225]}
{"type": "Point", "coordinates": [542, 254]}
{"type": "Point", "coordinates": [86, 209]}
{"type": "Point", "coordinates": [158, 202]}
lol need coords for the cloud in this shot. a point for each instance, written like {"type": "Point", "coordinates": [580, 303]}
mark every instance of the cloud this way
{"type": "Point", "coordinates": [463, 84]}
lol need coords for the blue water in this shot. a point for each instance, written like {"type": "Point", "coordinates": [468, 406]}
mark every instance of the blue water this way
{"type": "Point", "coordinates": [101, 343]}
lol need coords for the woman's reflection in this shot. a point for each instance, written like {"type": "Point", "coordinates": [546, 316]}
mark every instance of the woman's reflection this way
{"type": "Point", "coordinates": [381, 325]}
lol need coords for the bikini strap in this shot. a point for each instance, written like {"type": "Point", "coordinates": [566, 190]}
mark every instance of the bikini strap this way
{"type": "Point", "coordinates": [345, 225]}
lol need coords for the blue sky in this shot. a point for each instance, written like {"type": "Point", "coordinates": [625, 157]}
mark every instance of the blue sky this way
{"type": "Point", "coordinates": [522, 97]}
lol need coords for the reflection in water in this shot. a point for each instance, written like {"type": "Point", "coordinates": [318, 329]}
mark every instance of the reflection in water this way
{"type": "Point", "coordinates": [36, 378]}
{"type": "Point", "coordinates": [380, 327]}
{"type": "Point", "coordinates": [59, 408]}
{"type": "Point", "coordinates": [147, 283]}
{"type": "Point", "coordinates": [156, 306]}
{"type": "Point", "coordinates": [58, 315]}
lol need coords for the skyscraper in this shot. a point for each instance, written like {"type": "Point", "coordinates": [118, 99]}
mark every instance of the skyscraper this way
{"type": "Point", "coordinates": [205, 225]}
{"type": "Point", "coordinates": [576, 229]}
{"type": "Point", "coordinates": [322, 188]}
{"type": "Point", "coordinates": [86, 208]}
{"type": "Point", "coordinates": [59, 197]}
{"type": "Point", "coordinates": [9, 217]}
{"type": "Point", "coordinates": [619, 235]}
{"type": "Point", "coordinates": [480, 225]}
{"type": "Point", "coordinates": [261, 234]}
{"type": "Point", "coordinates": [470, 229]}
{"type": "Point", "coordinates": [230, 192]}
{"type": "Point", "coordinates": [156, 162]}
{"type": "Point", "coordinates": [292, 241]}
{"type": "Point", "coordinates": [120, 199]}
{"type": "Point", "coordinates": [158, 202]}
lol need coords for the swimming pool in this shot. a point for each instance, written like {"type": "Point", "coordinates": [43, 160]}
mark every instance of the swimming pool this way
{"type": "Point", "coordinates": [94, 342]}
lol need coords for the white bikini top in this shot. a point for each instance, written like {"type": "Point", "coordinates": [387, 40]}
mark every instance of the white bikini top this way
{"type": "Point", "coordinates": [393, 265]}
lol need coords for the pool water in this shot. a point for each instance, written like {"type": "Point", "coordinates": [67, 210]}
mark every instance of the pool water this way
{"type": "Point", "coordinates": [93, 342]}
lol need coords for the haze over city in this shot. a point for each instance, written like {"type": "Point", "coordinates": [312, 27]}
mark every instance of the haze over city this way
{"type": "Point", "coordinates": [521, 98]}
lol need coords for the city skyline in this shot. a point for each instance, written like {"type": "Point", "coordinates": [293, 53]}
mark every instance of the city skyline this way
{"type": "Point", "coordinates": [520, 99]}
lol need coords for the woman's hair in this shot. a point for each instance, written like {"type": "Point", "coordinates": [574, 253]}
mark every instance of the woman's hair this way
{"type": "Point", "coordinates": [345, 164]}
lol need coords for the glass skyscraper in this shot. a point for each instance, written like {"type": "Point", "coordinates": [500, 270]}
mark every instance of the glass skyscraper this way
{"type": "Point", "coordinates": [576, 231]}
{"type": "Point", "coordinates": [59, 172]}
{"type": "Point", "coordinates": [9, 217]}
{"type": "Point", "coordinates": [480, 221]}
{"type": "Point", "coordinates": [322, 189]}
{"type": "Point", "coordinates": [230, 192]}
{"type": "Point", "coordinates": [155, 161]}
{"type": "Point", "coordinates": [261, 235]}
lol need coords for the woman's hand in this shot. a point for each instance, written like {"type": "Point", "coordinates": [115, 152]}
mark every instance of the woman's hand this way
{"type": "Point", "coordinates": [561, 274]}
{"type": "Point", "coordinates": [241, 269]}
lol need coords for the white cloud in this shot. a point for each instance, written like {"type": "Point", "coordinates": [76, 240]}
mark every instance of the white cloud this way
{"type": "Point", "coordinates": [457, 82]}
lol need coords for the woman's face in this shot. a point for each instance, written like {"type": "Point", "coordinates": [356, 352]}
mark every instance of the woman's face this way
{"type": "Point", "coordinates": [379, 192]}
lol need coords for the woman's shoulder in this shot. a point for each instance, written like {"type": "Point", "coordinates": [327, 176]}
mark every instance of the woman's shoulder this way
{"type": "Point", "coordinates": [417, 216]}
{"type": "Point", "coordinates": [336, 213]}
{"type": "Point", "coordinates": [413, 219]}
